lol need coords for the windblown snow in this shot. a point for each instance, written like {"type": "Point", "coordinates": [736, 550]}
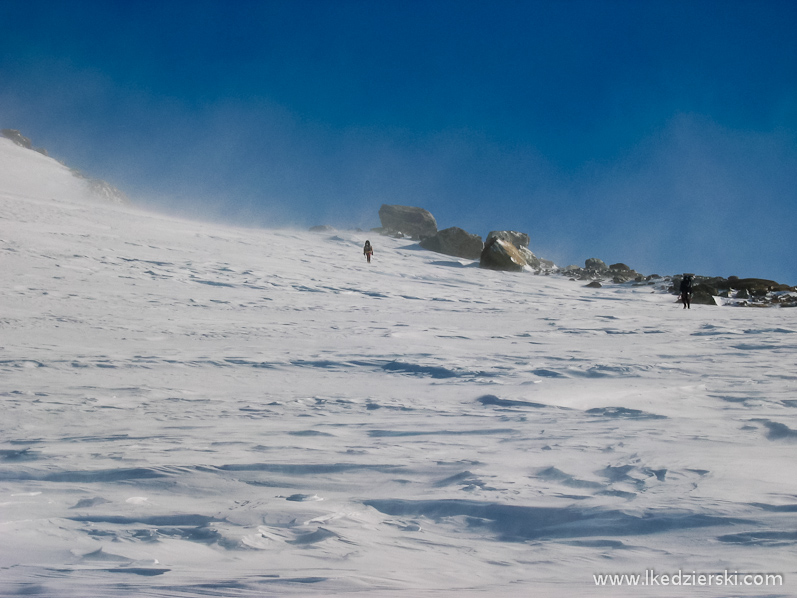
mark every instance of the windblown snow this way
{"type": "Point", "coordinates": [192, 409]}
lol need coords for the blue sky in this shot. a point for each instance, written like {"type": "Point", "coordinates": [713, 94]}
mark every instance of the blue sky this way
{"type": "Point", "coordinates": [660, 134]}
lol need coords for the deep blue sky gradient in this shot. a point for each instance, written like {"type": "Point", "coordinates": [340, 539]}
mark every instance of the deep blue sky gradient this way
{"type": "Point", "coordinates": [660, 134]}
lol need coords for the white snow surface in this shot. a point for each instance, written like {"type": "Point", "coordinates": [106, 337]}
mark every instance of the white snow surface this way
{"type": "Point", "coordinates": [193, 409]}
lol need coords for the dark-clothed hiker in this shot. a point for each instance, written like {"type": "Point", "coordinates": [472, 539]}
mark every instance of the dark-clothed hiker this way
{"type": "Point", "coordinates": [368, 251]}
{"type": "Point", "coordinates": [686, 291]}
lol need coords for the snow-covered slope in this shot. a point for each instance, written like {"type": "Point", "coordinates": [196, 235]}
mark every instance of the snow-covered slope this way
{"type": "Point", "coordinates": [28, 174]}
{"type": "Point", "coordinates": [193, 410]}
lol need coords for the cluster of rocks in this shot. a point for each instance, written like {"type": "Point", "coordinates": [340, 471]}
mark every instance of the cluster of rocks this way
{"type": "Point", "coordinates": [596, 270]}
{"type": "Point", "coordinates": [502, 250]}
{"type": "Point", "coordinates": [743, 292]}
{"type": "Point", "coordinates": [509, 251]}
{"type": "Point", "coordinates": [746, 291]}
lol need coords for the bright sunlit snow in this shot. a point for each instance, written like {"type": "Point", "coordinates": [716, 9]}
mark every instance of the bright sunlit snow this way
{"type": "Point", "coordinates": [191, 409]}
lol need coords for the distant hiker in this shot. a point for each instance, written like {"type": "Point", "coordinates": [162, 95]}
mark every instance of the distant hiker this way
{"type": "Point", "coordinates": [686, 291]}
{"type": "Point", "coordinates": [368, 251]}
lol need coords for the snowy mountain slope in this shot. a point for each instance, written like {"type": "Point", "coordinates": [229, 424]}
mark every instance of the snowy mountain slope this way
{"type": "Point", "coordinates": [29, 174]}
{"type": "Point", "coordinates": [191, 409]}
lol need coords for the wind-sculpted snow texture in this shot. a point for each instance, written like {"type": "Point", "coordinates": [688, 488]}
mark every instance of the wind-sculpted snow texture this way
{"type": "Point", "coordinates": [194, 410]}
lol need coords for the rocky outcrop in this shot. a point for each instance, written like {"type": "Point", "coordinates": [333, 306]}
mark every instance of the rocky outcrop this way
{"type": "Point", "coordinates": [322, 228]}
{"type": "Point", "coordinates": [597, 269]}
{"type": "Point", "coordinates": [17, 138]}
{"type": "Point", "coordinates": [456, 242]}
{"type": "Point", "coordinates": [734, 286]}
{"type": "Point", "coordinates": [739, 291]}
{"type": "Point", "coordinates": [21, 140]}
{"type": "Point", "coordinates": [416, 223]}
{"type": "Point", "coordinates": [501, 255]}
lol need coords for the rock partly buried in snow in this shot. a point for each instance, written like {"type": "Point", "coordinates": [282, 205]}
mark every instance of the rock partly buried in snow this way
{"type": "Point", "coordinates": [455, 241]}
{"type": "Point", "coordinates": [517, 239]}
{"type": "Point", "coordinates": [322, 228]}
{"type": "Point", "coordinates": [412, 222]}
{"type": "Point", "coordinates": [501, 255]}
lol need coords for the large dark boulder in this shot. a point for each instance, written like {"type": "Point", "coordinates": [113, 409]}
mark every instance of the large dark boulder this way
{"type": "Point", "coordinates": [517, 239]}
{"type": "Point", "coordinates": [455, 241]}
{"type": "Point", "coordinates": [521, 242]}
{"type": "Point", "coordinates": [501, 255]}
{"type": "Point", "coordinates": [412, 222]}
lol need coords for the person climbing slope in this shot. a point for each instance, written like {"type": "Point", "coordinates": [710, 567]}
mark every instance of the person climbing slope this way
{"type": "Point", "coordinates": [368, 251]}
{"type": "Point", "coordinates": [686, 291]}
